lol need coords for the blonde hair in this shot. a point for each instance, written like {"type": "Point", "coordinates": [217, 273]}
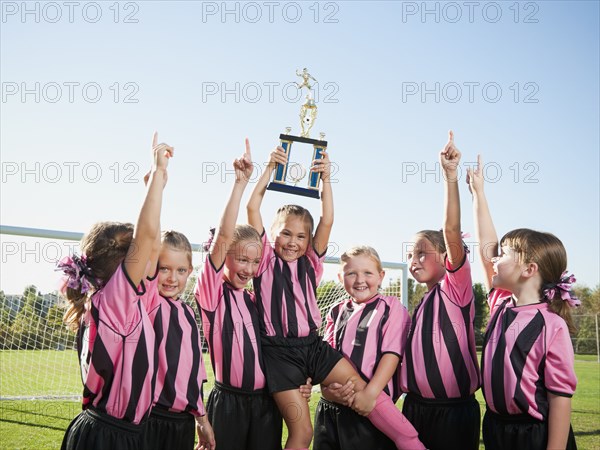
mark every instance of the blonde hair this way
{"type": "Point", "coordinates": [247, 234]}
{"type": "Point", "coordinates": [294, 210]}
{"type": "Point", "coordinates": [177, 241]}
{"type": "Point", "coordinates": [362, 250]}
{"type": "Point", "coordinates": [105, 247]}
{"type": "Point", "coordinates": [549, 253]}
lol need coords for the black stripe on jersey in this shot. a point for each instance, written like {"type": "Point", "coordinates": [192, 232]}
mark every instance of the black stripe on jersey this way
{"type": "Point", "coordinates": [461, 373]}
{"type": "Point", "coordinates": [290, 300]}
{"type": "Point", "coordinates": [139, 371]}
{"type": "Point", "coordinates": [251, 306]}
{"type": "Point", "coordinates": [434, 377]}
{"type": "Point", "coordinates": [103, 364]}
{"type": "Point", "coordinates": [249, 355]}
{"type": "Point", "coordinates": [305, 270]}
{"type": "Point", "coordinates": [379, 355]}
{"type": "Point", "coordinates": [210, 317]}
{"type": "Point", "coordinates": [193, 389]}
{"type": "Point", "coordinates": [158, 338]}
{"type": "Point", "coordinates": [519, 353]}
{"type": "Point", "coordinates": [488, 335]}
{"type": "Point", "coordinates": [541, 397]}
{"type": "Point", "coordinates": [172, 351]}
{"type": "Point", "coordinates": [276, 295]}
{"type": "Point", "coordinates": [340, 330]}
{"type": "Point", "coordinates": [227, 334]}
{"type": "Point", "coordinates": [498, 364]}
{"type": "Point", "coordinates": [410, 368]}
{"type": "Point", "coordinates": [362, 330]}
{"type": "Point", "coordinates": [470, 327]}
{"type": "Point", "coordinates": [256, 282]}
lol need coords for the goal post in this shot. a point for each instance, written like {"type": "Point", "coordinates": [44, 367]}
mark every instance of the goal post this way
{"type": "Point", "coordinates": [37, 357]}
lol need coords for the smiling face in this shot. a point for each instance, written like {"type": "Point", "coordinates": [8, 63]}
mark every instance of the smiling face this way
{"type": "Point", "coordinates": [361, 277]}
{"type": "Point", "coordinates": [292, 238]}
{"type": "Point", "coordinates": [426, 263]}
{"type": "Point", "coordinates": [241, 263]}
{"type": "Point", "coordinates": [174, 268]}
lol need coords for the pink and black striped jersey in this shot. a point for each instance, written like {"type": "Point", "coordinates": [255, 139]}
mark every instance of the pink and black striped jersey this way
{"type": "Point", "coordinates": [231, 327]}
{"type": "Point", "coordinates": [440, 361]}
{"type": "Point", "coordinates": [527, 352]}
{"type": "Point", "coordinates": [286, 293]}
{"type": "Point", "coordinates": [180, 370]}
{"type": "Point", "coordinates": [115, 343]}
{"type": "Point", "coordinates": [365, 332]}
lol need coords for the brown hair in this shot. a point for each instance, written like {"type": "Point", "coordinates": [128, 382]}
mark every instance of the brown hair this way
{"type": "Point", "coordinates": [294, 210]}
{"type": "Point", "coordinates": [362, 250]}
{"type": "Point", "coordinates": [177, 241]}
{"type": "Point", "coordinates": [436, 237]}
{"type": "Point", "coordinates": [105, 247]}
{"type": "Point", "coordinates": [549, 253]}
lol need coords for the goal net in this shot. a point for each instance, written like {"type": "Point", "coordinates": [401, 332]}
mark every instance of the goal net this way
{"type": "Point", "coordinates": [38, 358]}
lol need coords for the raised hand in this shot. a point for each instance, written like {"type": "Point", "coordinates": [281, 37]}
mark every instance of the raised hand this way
{"type": "Point", "coordinates": [475, 177]}
{"type": "Point", "coordinates": [450, 157]}
{"type": "Point", "coordinates": [161, 153]}
{"type": "Point", "coordinates": [322, 166]}
{"type": "Point", "coordinates": [277, 156]}
{"type": "Point", "coordinates": [243, 166]}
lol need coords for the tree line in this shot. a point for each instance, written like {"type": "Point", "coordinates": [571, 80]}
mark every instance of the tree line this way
{"type": "Point", "coordinates": [34, 321]}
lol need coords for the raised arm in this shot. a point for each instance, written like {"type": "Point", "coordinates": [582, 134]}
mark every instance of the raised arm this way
{"type": "Point", "coordinates": [148, 224]}
{"type": "Point", "coordinates": [323, 231]}
{"type": "Point", "coordinates": [449, 159]}
{"type": "Point", "coordinates": [253, 206]}
{"type": "Point", "coordinates": [153, 261]}
{"type": "Point", "coordinates": [243, 170]}
{"type": "Point", "coordinates": [484, 226]}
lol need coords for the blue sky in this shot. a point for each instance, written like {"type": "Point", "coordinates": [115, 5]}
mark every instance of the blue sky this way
{"type": "Point", "coordinates": [84, 86]}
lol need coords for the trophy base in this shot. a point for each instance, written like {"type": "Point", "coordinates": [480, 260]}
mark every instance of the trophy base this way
{"type": "Point", "coordinates": [289, 137]}
{"type": "Point", "coordinates": [279, 187]}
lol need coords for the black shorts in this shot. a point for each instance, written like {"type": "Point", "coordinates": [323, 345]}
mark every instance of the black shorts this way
{"type": "Point", "coordinates": [290, 361]}
{"type": "Point", "coordinates": [172, 430]}
{"type": "Point", "coordinates": [92, 429]}
{"type": "Point", "coordinates": [444, 424]}
{"type": "Point", "coordinates": [338, 427]}
{"type": "Point", "coordinates": [243, 420]}
{"type": "Point", "coordinates": [517, 431]}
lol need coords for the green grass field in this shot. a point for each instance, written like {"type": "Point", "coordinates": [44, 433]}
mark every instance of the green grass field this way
{"type": "Point", "coordinates": [40, 424]}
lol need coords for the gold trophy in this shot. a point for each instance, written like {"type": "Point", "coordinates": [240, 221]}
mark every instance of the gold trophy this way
{"type": "Point", "coordinates": [292, 170]}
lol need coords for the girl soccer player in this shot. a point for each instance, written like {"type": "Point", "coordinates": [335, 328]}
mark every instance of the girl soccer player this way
{"type": "Point", "coordinates": [440, 373]}
{"type": "Point", "coordinates": [240, 409]}
{"type": "Point", "coordinates": [527, 363]}
{"type": "Point", "coordinates": [115, 341]}
{"type": "Point", "coordinates": [285, 288]}
{"type": "Point", "coordinates": [370, 330]}
{"type": "Point", "coordinates": [180, 370]}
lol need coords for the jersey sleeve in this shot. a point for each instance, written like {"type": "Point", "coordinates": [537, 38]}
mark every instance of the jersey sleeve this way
{"type": "Point", "coordinates": [209, 286]}
{"type": "Point", "coordinates": [559, 371]}
{"type": "Point", "coordinates": [268, 253]}
{"type": "Point", "coordinates": [119, 301]}
{"type": "Point", "coordinates": [457, 283]}
{"type": "Point", "coordinates": [496, 297]}
{"type": "Point", "coordinates": [329, 334]}
{"type": "Point", "coordinates": [150, 300]}
{"type": "Point", "coordinates": [317, 261]}
{"type": "Point", "coordinates": [394, 330]}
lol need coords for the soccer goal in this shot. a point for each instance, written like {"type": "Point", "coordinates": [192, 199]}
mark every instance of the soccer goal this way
{"type": "Point", "coordinates": [37, 353]}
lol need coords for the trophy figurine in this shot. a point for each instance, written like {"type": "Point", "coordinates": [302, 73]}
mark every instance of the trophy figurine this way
{"type": "Point", "coordinates": [292, 170]}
